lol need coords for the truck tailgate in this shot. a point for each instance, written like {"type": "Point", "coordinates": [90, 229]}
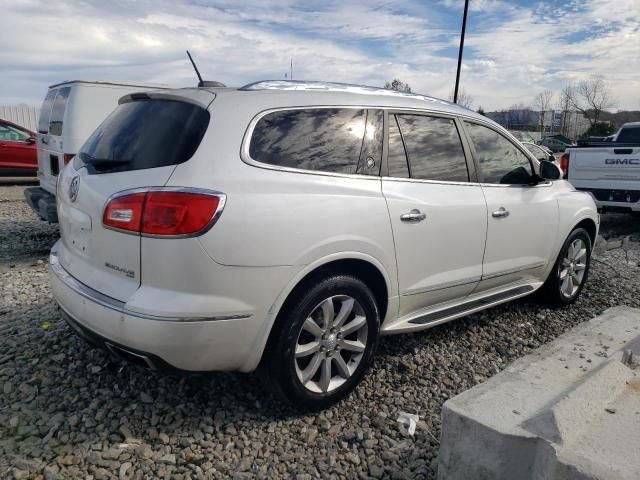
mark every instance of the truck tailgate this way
{"type": "Point", "coordinates": [614, 167]}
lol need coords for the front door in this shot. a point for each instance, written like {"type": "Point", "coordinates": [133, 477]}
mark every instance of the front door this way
{"type": "Point", "coordinates": [522, 215]}
{"type": "Point", "coordinates": [437, 210]}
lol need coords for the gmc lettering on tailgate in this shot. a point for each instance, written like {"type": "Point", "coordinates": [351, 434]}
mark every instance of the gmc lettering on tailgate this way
{"type": "Point", "coordinates": [622, 161]}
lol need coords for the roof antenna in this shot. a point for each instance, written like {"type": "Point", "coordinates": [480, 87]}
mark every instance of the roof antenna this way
{"type": "Point", "coordinates": [200, 81]}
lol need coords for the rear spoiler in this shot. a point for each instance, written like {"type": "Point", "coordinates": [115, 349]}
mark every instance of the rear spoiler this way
{"type": "Point", "coordinates": [196, 96]}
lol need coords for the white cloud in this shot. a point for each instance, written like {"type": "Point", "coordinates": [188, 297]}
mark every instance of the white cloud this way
{"type": "Point", "coordinates": [511, 52]}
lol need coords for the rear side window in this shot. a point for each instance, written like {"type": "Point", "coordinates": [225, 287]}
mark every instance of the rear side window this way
{"type": "Point", "coordinates": [629, 135]}
{"type": "Point", "coordinates": [434, 148]}
{"type": "Point", "coordinates": [145, 134]}
{"type": "Point", "coordinates": [500, 160]}
{"type": "Point", "coordinates": [327, 139]}
{"type": "Point", "coordinates": [57, 111]}
{"type": "Point", "coordinates": [45, 112]}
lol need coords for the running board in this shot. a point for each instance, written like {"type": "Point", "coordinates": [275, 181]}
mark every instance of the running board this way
{"type": "Point", "coordinates": [472, 305]}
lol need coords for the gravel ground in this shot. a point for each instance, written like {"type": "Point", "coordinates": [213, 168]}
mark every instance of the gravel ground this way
{"type": "Point", "coordinates": [68, 411]}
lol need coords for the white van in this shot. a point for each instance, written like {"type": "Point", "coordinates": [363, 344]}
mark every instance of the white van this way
{"type": "Point", "coordinates": [71, 111]}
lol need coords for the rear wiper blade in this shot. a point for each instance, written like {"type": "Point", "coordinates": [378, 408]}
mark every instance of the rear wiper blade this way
{"type": "Point", "coordinates": [85, 157]}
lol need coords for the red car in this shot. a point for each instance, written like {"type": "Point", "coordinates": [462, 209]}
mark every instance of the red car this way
{"type": "Point", "coordinates": [18, 152]}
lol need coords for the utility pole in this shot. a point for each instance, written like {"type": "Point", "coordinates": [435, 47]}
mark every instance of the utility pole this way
{"type": "Point", "coordinates": [464, 26]}
{"type": "Point", "coordinates": [291, 70]}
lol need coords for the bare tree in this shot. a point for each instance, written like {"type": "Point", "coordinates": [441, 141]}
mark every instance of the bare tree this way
{"type": "Point", "coordinates": [542, 102]}
{"type": "Point", "coordinates": [591, 97]}
{"type": "Point", "coordinates": [398, 86]}
{"type": "Point", "coordinates": [464, 99]}
{"type": "Point", "coordinates": [565, 105]}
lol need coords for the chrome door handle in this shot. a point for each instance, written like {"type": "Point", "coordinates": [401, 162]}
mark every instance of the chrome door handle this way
{"type": "Point", "coordinates": [500, 213]}
{"type": "Point", "coordinates": [414, 216]}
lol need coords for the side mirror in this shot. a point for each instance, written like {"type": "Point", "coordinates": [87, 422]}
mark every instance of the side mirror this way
{"type": "Point", "coordinates": [549, 170]}
{"type": "Point", "coordinates": [30, 140]}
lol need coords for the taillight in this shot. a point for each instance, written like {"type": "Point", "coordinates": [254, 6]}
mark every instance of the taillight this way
{"type": "Point", "coordinates": [124, 212]}
{"type": "Point", "coordinates": [67, 157]}
{"type": "Point", "coordinates": [163, 213]}
{"type": "Point", "coordinates": [564, 165]}
{"type": "Point", "coordinates": [177, 213]}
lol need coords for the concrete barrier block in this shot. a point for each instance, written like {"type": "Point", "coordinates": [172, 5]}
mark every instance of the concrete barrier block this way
{"type": "Point", "coordinates": [570, 410]}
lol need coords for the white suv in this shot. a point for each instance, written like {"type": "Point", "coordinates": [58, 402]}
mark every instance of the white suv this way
{"type": "Point", "coordinates": [288, 225]}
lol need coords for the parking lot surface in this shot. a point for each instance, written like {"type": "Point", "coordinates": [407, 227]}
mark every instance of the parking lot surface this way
{"type": "Point", "coordinates": [69, 411]}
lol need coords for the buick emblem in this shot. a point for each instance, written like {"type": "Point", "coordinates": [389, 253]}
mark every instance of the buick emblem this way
{"type": "Point", "coordinates": [73, 188]}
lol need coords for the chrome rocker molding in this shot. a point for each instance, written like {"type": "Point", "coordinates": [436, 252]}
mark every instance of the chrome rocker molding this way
{"type": "Point", "coordinates": [116, 305]}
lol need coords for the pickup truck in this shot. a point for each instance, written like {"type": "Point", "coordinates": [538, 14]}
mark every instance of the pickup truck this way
{"type": "Point", "coordinates": [610, 171]}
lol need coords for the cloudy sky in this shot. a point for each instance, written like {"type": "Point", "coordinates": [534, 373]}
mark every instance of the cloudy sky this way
{"type": "Point", "coordinates": [513, 49]}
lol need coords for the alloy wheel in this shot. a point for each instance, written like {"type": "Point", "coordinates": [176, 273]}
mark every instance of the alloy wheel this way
{"type": "Point", "coordinates": [331, 344]}
{"type": "Point", "coordinates": [572, 268]}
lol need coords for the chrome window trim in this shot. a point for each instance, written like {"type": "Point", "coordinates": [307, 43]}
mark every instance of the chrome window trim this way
{"type": "Point", "coordinates": [435, 182]}
{"type": "Point", "coordinates": [116, 305]}
{"type": "Point", "coordinates": [201, 191]}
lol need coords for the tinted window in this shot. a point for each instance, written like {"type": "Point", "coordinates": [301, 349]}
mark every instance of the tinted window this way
{"type": "Point", "coordinates": [629, 135]}
{"type": "Point", "coordinates": [396, 157]}
{"type": "Point", "coordinates": [57, 111]}
{"type": "Point", "coordinates": [328, 139]}
{"type": "Point", "coordinates": [500, 160]}
{"type": "Point", "coordinates": [434, 148]}
{"type": "Point", "coordinates": [45, 112]}
{"type": "Point", "coordinates": [145, 134]}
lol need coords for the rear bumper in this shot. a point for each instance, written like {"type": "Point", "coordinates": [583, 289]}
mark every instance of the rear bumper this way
{"type": "Point", "coordinates": [163, 343]}
{"type": "Point", "coordinates": [43, 203]}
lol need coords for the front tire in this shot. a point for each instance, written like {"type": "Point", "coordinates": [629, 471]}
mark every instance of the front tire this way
{"type": "Point", "coordinates": [570, 272]}
{"type": "Point", "coordinates": [324, 344]}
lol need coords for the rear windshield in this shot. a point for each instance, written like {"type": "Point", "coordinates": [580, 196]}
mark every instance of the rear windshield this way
{"type": "Point", "coordinates": [145, 134]}
{"type": "Point", "coordinates": [57, 111]}
{"type": "Point", "coordinates": [45, 112]}
{"type": "Point", "coordinates": [629, 135]}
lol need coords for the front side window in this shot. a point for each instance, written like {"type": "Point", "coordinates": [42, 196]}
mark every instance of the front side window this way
{"type": "Point", "coordinates": [538, 152]}
{"type": "Point", "coordinates": [57, 111]}
{"type": "Point", "coordinates": [11, 134]}
{"type": "Point", "coordinates": [500, 160]}
{"type": "Point", "coordinates": [434, 148]}
{"type": "Point", "coordinates": [320, 139]}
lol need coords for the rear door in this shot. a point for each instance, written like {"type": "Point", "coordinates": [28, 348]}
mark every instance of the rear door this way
{"type": "Point", "coordinates": [522, 220]}
{"type": "Point", "coordinates": [137, 146]}
{"type": "Point", "coordinates": [50, 125]}
{"type": "Point", "coordinates": [437, 209]}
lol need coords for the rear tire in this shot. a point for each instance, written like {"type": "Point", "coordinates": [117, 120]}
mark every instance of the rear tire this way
{"type": "Point", "coordinates": [569, 274]}
{"type": "Point", "coordinates": [324, 343]}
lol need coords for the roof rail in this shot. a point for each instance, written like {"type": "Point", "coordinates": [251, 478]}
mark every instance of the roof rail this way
{"type": "Point", "coordinates": [332, 87]}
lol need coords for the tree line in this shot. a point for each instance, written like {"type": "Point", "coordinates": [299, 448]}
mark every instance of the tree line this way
{"type": "Point", "coordinates": [589, 98]}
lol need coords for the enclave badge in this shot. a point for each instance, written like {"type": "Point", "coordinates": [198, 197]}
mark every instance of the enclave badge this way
{"type": "Point", "coordinates": [73, 188]}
